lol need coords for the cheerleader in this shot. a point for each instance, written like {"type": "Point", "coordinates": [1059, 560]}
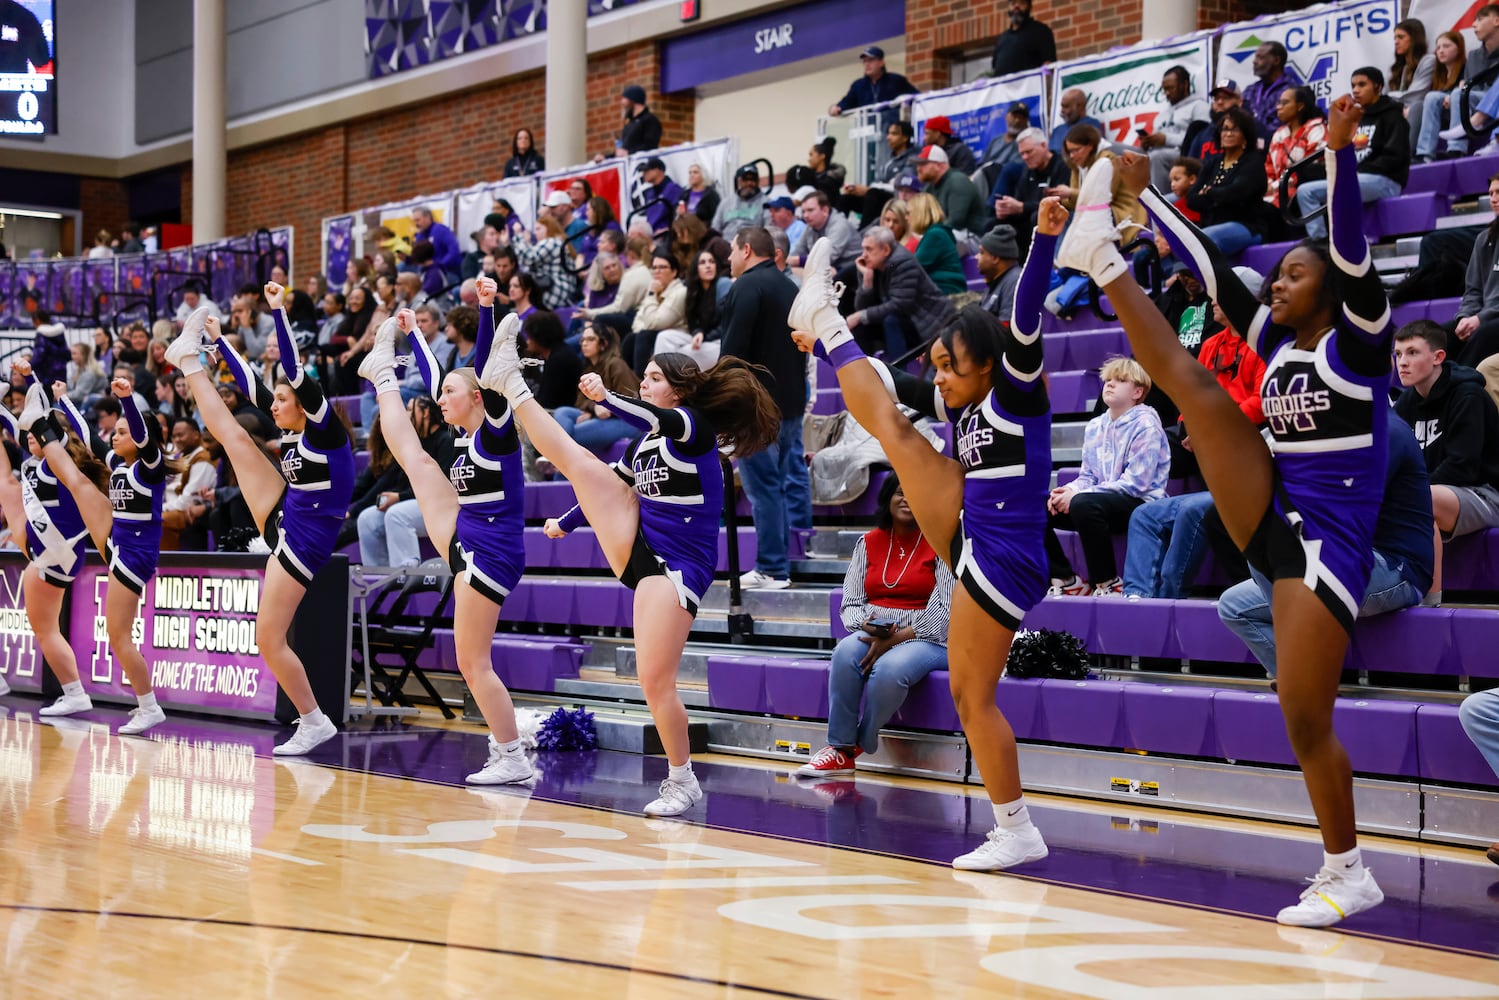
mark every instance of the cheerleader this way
{"type": "Point", "coordinates": [298, 507]}
{"type": "Point", "coordinates": [656, 512]}
{"type": "Point", "coordinates": [985, 512]}
{"type": "Point", "coordinates": [125, 525]}
{"type": "Point", "coordinates": [1302, 508]}
{"type": "Point", "coordinates": [473, 510]}
{"type": "Point", "coordinates": [54, 538]}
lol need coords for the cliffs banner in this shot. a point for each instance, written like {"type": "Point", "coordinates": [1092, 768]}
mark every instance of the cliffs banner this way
{"type": "Point", "coordinates": [717, 159]}
{"type": "Point", "coordinates": [1124, 86]}
{"type": "Point", "coordinates": [1324, 44]}
{"type": "Point", "coordinates": [977, 111]}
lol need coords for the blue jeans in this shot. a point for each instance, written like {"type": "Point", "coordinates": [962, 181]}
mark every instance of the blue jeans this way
{"type": "Point", "coordinates": [1479, 714]}
{"type": "Point", "coordinates": [1232, 237]}
{"type": "Point", "coordinates": [1166, 546]}
{"type": "Point", "coordinates": [392, 537]}
{"type": "Point", "coordinates": [1313, 195]}
{"type": "Point", "coordinates": [884, 690]}
{"type": "Point", "coordinates": [1431, 123]}
{"type": "Point", "coordinates": [593, 434]}
{"type": "Point", "coordinates": [779, 490]}
{"type": "Point", "coordinates": [1245, 607]}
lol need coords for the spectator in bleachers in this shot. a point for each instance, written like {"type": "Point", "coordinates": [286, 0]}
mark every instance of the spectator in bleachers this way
{"type": "Point", "coordinates": [1302, 133]}
{"type": "Point", "coordinates": [461, 327]}
{"type": "Point", "coordinates": [1457, 426]}
{"type": "Point", "coordinates": [357, 274]}
{"type": "Point", "coordinates": [1383, 143]}
{"type": "Point", "coordinates": [185, 501]}
{"type": "Point", "coordinates": [1183, 110]}
{"type": "Point", "coordinates": [775, 480]}
{"type": "Point", "coordinates": [1410, 76]}
{"type": "Point", "coordinates": [1046, 172]}
{"type": "Point", "coordinates": [391, 529]}
{"type": "Point", "coordinates": [505, 219]}
{"type": "Point", "coordinates": [1168, 538]}
{"type": "Point", "coordinates": [907, 185]}
{"type": "Point", "coordinates": [876, 86]}
{"type": "Point", "coordinates": [960, 200]}
{"type": "Point", "coordinates": [486, 242]}
{"type": "Point", "coordinates": [1222, 97]}
{"type": "Point", "coordinates": [1184, 174]}
{"type": "Point", "coordinates": [427, 281]}
{"type": "Point", "coordinates": [642, 129]}
{"type": "Point", "coordinates": [130, 238]}
{"type": "Point", "coordinates": [561, 368]}
{"type": "Point", "coordinates": [49, 349]}
{"type": "Point", "coordinates": [1262, 97]}
{"type": "Point", "coordinates": [897, 632]}
{"type": "Point", "coordinates": [1126, 461]}
{"type": "Point", "coordinates": [782, 212]}
{"type": "Point", "coordinates": [589, 423]}
{"type": "Point", "coordinates": [1083, 148]}
{"type": "Point", "coordinates": [1403, 553]}
{"type": "Point", "coordinates": [1003, 152]}
{"type": "Point", "coordinates": [938, 131]}
{"type": "Point", "coordinates": [525, 158]}
{"type": "Point", "coordinates": [132, 355]}
{"type": "Point", "coordinates": [315, 287]}
{"type": "Point", "coordinates": [822, 220]}
{"type": "Point", "coordinates": [104, 350]}
{"type": "Point", "coordinates": [506, 266]}
{"type": "Point", "coordinates": [547, 261]}
{"type": "Point", "coordinates": [599, 220]}
{"type": "Point", "coordinates": [601, 287]}
{"type": "Point", "coordinates": [101, 247]}
{"type": "Point", "coordinates": [660, 192]}
{"type": "Point", "coordinates": [172, 396]}
{"type": "Point", "coordinates": [663, 308]}
{"type": "Point", "coordinates": [999, 264]}
{"type": "Point", "coordinates": [1436, 106]}
{"type": "Point", "coordinates": [444, 243]}
{"type": "Point", "coordinates": [867, 199]}
{"type": "Point", "coordinates": [896, 217]}
{"type": "Point", "coordinates": [192, 298]}
{"type": "Point", "coordinates": [1025, 44]}
{"type": "Point", "coordinates": [782, 244]}
{"type": "Point", "coordinates": [706, 291]}
{"type": "Point", "coordinates": [700, 197]}
{"type": "Point", "coordinates": [896, 301]}
{"type": "Point", "coordinates": [827, 176]}
{"type": "Point", "coordinates": [1479, 74]}
{"type": "Point", "coordinates": [1476, 326]}
{"type": "Point", "coordinates": [429, 324]}
{"type": "Point", "coordinates": [106, 414]}
{"type": "Point", "coordinates": [1229, 196]}
{"type": "Point", "coordinates": [745, 206]}
{"type": "Point", "coordinates": [689, 237]}
{"type": "Point", "coordinates": [633, 286]}
{"type": "Point", "coordinates": [85, 376]}
{"type": "Point", "coordinates": [937, 250]}
{"type": "Point", "coordinates": [523, 291]}
{"type": "Point", "coordinates": [1074, 106]}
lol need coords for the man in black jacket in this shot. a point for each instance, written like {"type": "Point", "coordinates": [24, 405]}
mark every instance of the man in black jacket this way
{"type": "Point", "coordinates": [1025, 44]}
{"type": "Point", "coordinates": [1457, 425]}
{"type": "Point", "coordinates": [895, 296]}
{"type": "Point", "coordinates": [754, 329]}
{"type": "Point", "coordinates": [642, 131]}
{"type": "Point", "coordinates": [1383, 144]}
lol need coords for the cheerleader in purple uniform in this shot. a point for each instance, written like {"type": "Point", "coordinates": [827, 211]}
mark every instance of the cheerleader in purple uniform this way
{"type": "Point", "coordinates": [984, 511]}
{"type": "Point", "coordinates": [1302, 508]}
{"type": "Point", "coordinates": [125, 523]}
{"type": "Point", "coordinates": [55, 536]}
{"type": "Point", "coordinates": [474, 510]}
{"type": "Point", "coordinates": [656, 514]}
{"type": "Point", "coordinates": [298, 506]}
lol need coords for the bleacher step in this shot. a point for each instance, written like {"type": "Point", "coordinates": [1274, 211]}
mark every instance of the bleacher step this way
{"type": "Point", "coordinates": [795, 604]}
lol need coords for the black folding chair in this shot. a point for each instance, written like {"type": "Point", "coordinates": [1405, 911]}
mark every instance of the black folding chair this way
{"type": "Point", "coordinates": [393, 636]}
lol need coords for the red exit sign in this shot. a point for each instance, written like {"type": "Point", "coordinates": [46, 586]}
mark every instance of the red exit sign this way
{"type": "Point", "coordinates": [689, 10]}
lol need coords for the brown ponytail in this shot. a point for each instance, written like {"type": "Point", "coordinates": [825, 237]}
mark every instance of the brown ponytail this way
{"type": "Point", "coordinates": [730, 395]}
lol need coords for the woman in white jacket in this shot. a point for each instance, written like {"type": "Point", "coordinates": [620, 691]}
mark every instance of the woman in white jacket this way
{"type": "Point", "coordinates": [663, 308]}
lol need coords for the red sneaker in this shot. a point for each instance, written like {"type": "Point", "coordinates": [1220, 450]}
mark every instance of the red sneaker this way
{"type": "Point", "coordinates": [829, 761]}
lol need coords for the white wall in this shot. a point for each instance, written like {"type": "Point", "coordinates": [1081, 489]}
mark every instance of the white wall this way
{"type": "Point", "coordinates": [96, 80]}
{"type": "Point", "coordinates": [774, 113]}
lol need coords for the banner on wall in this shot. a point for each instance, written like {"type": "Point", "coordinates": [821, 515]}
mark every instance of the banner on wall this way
{"type": "Point", "coordinates": [474, 203]}
{"type": "Point", "coordinates": [397, 217]}
{"type": "Point", "coordinates": [717, 159]}
{"type": "Point", "coordinates": [977, 111]}
{"type": "Point", "coordinates": [1447, 15]}
{"type": "Point", "coordinates": [338, 247]}
{"type": "Point", "coordinates": [1324, 44]}
{"type": "Point", "coordinates": [1124, 86]}
{"type": "Point", "coordinates": [607, 180]}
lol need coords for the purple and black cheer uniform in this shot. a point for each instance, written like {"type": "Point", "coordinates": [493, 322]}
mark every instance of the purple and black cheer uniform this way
{"type": "Point", "coordinates": [675, 471]}
{"type": "Point", "coordinates": [135, 492]}
{"type": "Point", "coordinates": [317, 463]}
{"type": "Point", "coordinates": [1322, 405]}
{"type": "Point", "coordinates": [55, 533]}
{"type": "Point", "coordinates": [488, 548]}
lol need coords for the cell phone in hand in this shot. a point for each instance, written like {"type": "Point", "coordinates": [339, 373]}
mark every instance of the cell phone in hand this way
{"type": "Point", "coordinates": [884, 626]}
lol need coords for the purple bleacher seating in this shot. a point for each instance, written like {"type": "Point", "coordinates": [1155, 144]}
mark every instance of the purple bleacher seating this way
{"type": "Point", "coordinates": [929, 705]}
{"type": "Point", "coordinates": [944, 433]}
{"type": "Point", "coordinates": [835, 614]}
{"type": "Point", "coordinates": [1250, 728]}
{"type": "Point", "coordinates": [1134, 628]}
{"type": "Point", "coordinates": [1084, 319]}
{"type": "Point", "coordinates": [1475, 636]}
{"type": "Point", "coordinates": [1436, 177]}
{"type": "Point", "coordinates": [1470, 174]}
{"type": "Point", "coordinates": [1020, 700]}
{"type": "Point", "coordinates": [1379, 735]}
{"type": "Point", "coordinates": [1442, 310]}
{"type": "Point", "coordinates": [1264, 257]}
{"type": "Point", "coordinates": [1073, 391]}
{"type": "Point", "coordinates": [572, 602]}
{"type": "Point", "coordinates": [361, 461]}
{"type": "Point", "coordinates": [1446, 753]}
{"type": "Point", "coordinates": [1201, 636]}
{"type": "Point", "coordinates": [1086, 713]}
{"type": "Point", "coordinates": [527, 664]}
{"type": "Point", "coordinates": [797, 688]}
{"type": "Point", "coordinates": [1415, 640]}
{"type": "Point", "coordinates": [552, 499]}
{"type": "Point", "coordinates": [1064, 614]}
{"type": "Point", "coordinates": [1054, 352]}
{"type": "Point", "coordinates": [737, 683]}
{"type": "Point", "coordinates": [1405, 215]}
{"type": "Point", "coordinates": [862, 506]}
{"type": "Point", "coordinates": [1170, 720]}
{"type": "Point", "coordinates": [614, 452]}
{"type": "Point", "coordinates": [971, 269]}
{"type": "Point", "coordinates": [1406, 312]}
{"type": "Point", "coordinates": [1469, 563]}
{"type": "Point", "coordinates": [1089, 349]}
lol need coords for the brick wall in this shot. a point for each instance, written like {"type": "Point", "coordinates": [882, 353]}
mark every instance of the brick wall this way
{"type": "Point", "coordinates": [1212, 13]}
{"type": "Point", "coordinates": [105, 204]}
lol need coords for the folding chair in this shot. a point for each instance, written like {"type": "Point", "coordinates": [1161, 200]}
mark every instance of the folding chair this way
{"type": "Point", "coordinates": [390, 628]}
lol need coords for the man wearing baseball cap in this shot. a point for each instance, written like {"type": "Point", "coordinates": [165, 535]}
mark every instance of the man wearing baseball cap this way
{"type": "Point", "coordinates": [960, 200]}
{"type": "Point", "coordinates": [939, 133]}
{"type": "Point", "coordinates": [1224, 96]}
{"type": "Point", "coordinates": [876, 86]}
{"type": "Point", "coordinates": [744, 206]}
{"type": "Point", "coordinates": [999, 263]}
{"type": "Point", "coordinates": [658, 184]}
{"type": "Point", "coordinates": [783, 216]}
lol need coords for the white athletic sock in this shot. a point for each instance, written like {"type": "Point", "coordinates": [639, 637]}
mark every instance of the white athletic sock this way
{"type": "Point", "coordinates": [314, 718]}
{"type": "Point", "coordinates": [509, 749]}
{"type": "Point", "coordinates": [386, 381]}
{"type": "Point", "coordinates": [147, 701]}
{"type": "Point", "coordinates": [1349, 862]}
{"type": "Point", "coordinates": [191, 365]}
{"type": "Point", "coordinates": [1011, 815]}
{"type": "Point", "coordinates": [73, 689]}
{"type": "Point", "coordinates": [680, 772]}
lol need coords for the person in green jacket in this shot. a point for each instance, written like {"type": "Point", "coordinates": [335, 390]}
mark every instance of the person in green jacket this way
{"type": "Point", "coordinates": [937, 251]}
